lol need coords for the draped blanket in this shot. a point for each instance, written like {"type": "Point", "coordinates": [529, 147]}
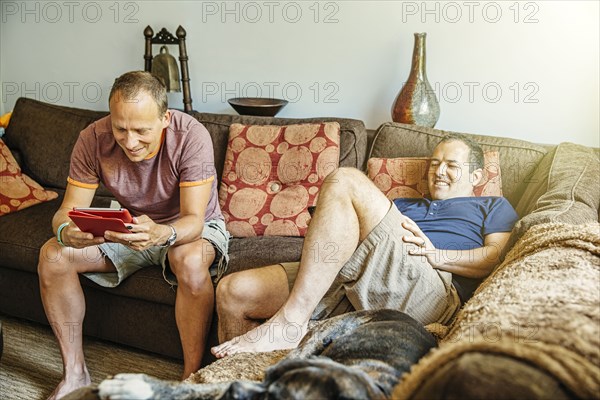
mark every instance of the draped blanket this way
{"type": "Point", "coordinates": [540, 306]}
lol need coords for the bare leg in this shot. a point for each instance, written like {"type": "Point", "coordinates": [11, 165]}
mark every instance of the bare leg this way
{"type": "Point", "coordinates": [349, 207]}
{"type": "Point", "coordinates": [247, 298]}
{"type": "Point", "coordinates": [194, 303]}
{"type": "Point", "coordinates": [64, 303]}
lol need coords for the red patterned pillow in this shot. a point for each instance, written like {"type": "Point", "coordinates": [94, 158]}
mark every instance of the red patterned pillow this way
{"type": "Point", "coordinates": [407, 176]}
{"type": "Point", "coordinates": [273, 173]}
{"type": "Point", "coordinates": [17, 190]}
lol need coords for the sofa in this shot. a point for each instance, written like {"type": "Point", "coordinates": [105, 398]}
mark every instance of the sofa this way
{"type": "Point", "coordinates": [41, 136]}
{"type": "Point", "coordinates": [547, 185]}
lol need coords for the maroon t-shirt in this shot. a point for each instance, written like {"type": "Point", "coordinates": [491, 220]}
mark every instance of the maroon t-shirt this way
{"type": "Point", "coordinates": [185, 158]}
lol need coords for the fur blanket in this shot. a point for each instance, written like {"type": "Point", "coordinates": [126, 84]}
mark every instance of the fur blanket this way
{"type": "Point", "coordinates": [541, 307]}
{"type": "Point", "coordinates": [238, 367]}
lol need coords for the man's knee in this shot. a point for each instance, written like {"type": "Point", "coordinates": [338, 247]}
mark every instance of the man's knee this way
{"type": "Point", "coordinates": [345, 180]}
{"type": "Point", "coordinates": [53, 260]}
{"type": "Point", "coordinates": [345, 175]}
{"type": "Point", "coordinates": [191, 267]}
{"type": "Point", "coordinates": [195, 280]}
{"type": "Point", "coordinates": [230, 291]}
{"type": "Point", "coordinates": [200, 253]}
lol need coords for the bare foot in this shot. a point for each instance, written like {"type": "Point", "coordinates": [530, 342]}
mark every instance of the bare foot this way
{"type": "Point", "coordinates": [276, 334]}
{"type": "Point", "coordinates": [186, 375]}
{"type": "Point", "coordinates": [69, 384]}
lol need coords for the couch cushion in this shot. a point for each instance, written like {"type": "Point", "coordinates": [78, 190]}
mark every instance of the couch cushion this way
{"type": "Point", "coordinates": [518, 158]}
{"type": "Point", "coordinates": [564, 188]}
{"type": "Point", "coordinates": [148, 283]}
{"type": "Point", "coordinates": [23, 233]}
{"type": "Point", "coordinates": [45, 141]}
{"type": "Point", "coordinates": [20, 244]}
{"type": "Point", "coordinates": [353, 135]}
{"type": "Point", "coordinates": [273, 173]}
{"type": "Point", "coordinates": [407, 176]}
{"type": "Point", "coordinates": [18, 191]}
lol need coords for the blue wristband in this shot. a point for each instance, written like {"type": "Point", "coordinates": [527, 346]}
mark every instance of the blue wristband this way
{"type": "Point", "coordinates": [59, 231]}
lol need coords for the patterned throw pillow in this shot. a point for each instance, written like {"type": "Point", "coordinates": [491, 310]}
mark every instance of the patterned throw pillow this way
{"type": "Point", "coordinates": [273, 173]}
{"type": "Point", "coordinates": [407, 176]}
{"type": "Point", "coordinates": [17, 190]}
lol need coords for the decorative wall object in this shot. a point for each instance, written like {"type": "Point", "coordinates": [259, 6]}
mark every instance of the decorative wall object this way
{"type": "Point", "coordinates": [166, 70]}
{"type": "Point", "coordinates": [417, 103]}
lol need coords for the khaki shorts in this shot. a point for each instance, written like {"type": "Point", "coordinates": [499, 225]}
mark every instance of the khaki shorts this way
{"type": "Point", "coordinates": [381, 274]}
{"type": "Point", "coordinates": [128, 261]}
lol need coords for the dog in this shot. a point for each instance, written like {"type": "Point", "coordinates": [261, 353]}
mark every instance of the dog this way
{"type": "Point", "coordinates": [359, 355]}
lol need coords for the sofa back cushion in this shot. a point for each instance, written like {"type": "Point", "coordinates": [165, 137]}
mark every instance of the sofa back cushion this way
{"type": "Point", "coordinates": [273, 174]}
{"type": "Point", "coordinates": [563, 188]}
{"type": "Point", "coordinates": [43, 136]}
{"type": "Point", "coordinates": [518, 158]}
{"type": "Point", "coordinates": [353, 135]}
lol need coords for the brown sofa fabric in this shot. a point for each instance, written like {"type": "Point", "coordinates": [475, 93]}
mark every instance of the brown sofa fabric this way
{"type": "Point", "coordinates": [22, 233]}
{"type": "Point", "coordinates": [518, 158]}
{"type": "Point", "coordinates": [46, 159]}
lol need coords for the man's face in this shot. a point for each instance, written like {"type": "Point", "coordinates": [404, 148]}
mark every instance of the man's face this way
{"type": "Point", "coordinates": [136, 125]}
{"type": "Point", "coordinates": [449, 171]}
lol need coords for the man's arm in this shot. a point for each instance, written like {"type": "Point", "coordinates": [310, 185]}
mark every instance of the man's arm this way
{"type": "Point", "coordinates": [474, 263]}
{"type": "Point", "coordinates": [189, 226]}
{"type": "Point", "coordinates": [71, 235]}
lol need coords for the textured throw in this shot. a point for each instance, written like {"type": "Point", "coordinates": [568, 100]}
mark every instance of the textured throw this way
{"type": "Point", "coordinates": [541, 306]}
{"type": "Point", "coordinates": [238, 367]}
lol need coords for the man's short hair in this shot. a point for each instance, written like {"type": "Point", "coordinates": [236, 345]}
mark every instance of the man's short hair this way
{"type": "Point", "coordinates": [475, 151]}
{"type": "Point", "coordinates": [130, 84]}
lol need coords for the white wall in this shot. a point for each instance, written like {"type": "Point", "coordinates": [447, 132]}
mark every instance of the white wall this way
{"type": "Point", "coordinates": [527, 69]}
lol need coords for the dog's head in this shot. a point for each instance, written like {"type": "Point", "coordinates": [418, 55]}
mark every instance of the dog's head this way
{"type": "Point", "coordinates": [319, 377]}
{"type": "Point", "coordinates": [315, 378]}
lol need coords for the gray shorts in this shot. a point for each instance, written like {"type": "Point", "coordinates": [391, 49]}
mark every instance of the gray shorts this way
{"type": "Point", "coordinates": [381, 274]}
{"type": "Point", "coordinates": [128, 261]}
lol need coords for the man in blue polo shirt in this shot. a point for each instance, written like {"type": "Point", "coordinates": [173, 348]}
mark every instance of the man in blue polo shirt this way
{"type": "Point", "coordinates": [424, 257]}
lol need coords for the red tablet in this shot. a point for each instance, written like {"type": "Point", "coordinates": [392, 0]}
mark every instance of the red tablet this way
{"type": "Point", "coordinates": [98, 220]}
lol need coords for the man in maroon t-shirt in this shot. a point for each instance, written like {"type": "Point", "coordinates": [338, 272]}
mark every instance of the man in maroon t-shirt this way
{"type": "Point", "coordinates": [158, 163]}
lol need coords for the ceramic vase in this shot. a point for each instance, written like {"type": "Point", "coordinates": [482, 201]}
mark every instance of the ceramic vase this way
{"type": "Point", "coordinates": [417, 103]}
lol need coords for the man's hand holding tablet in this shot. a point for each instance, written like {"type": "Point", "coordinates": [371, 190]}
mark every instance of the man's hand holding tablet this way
{"type": "Point", "coordinates": [98, 220]}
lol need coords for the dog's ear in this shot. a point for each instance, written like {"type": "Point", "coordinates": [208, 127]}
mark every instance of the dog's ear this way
{"type": "Point", "coordinates": [325, 332]}
{"type": "Point", "coordinates": [244, 390]}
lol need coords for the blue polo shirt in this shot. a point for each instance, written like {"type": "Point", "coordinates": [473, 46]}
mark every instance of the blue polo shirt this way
{"type": "Point", "coordinates": [460, 223]}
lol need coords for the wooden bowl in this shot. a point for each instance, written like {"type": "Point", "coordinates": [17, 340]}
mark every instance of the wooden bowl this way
{"type": "Point", "coordinates": [260, 106]}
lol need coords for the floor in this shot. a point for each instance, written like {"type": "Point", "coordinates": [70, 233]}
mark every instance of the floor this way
{"type": "Point", "coordinates": [31, 367]}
